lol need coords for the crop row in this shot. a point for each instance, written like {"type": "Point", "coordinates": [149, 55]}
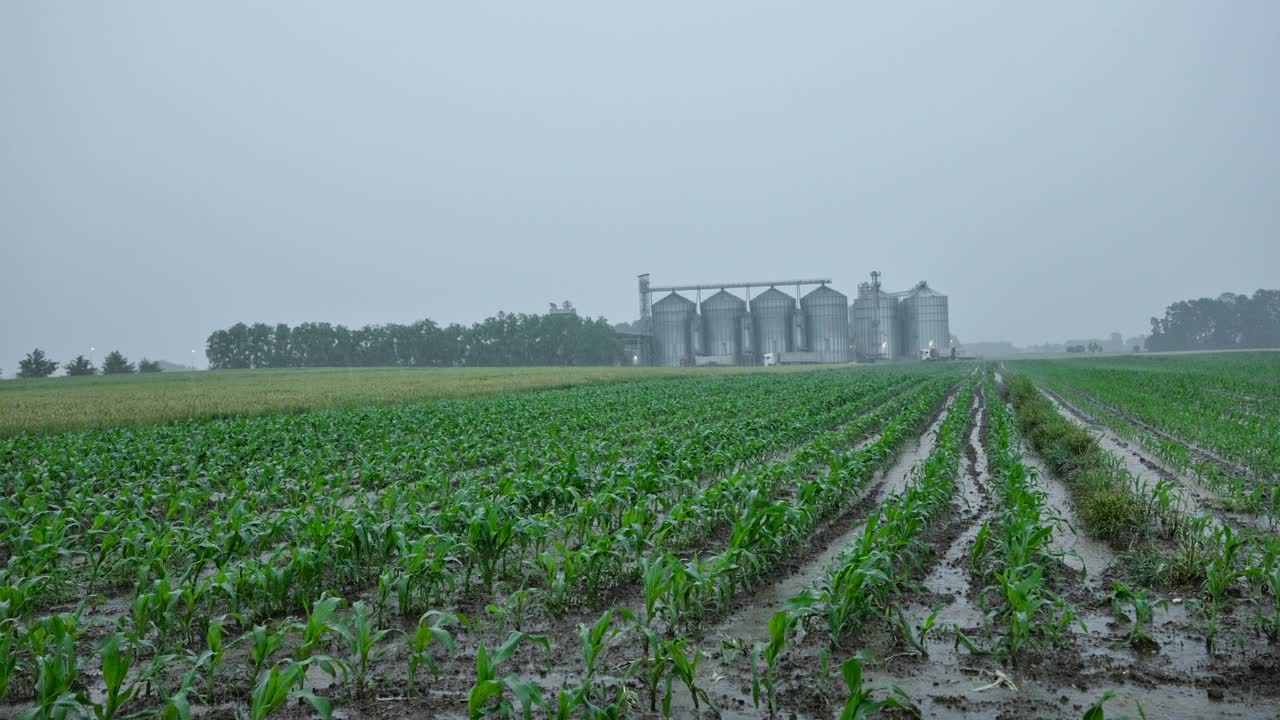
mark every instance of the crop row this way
{"type": "Point", "coordinates": [1016, 552]}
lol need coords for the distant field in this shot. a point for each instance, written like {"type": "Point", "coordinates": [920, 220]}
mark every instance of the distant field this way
{"type": "Point", "coordinates": [82, 403]}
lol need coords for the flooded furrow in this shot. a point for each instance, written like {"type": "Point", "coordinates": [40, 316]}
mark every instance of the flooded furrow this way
{"type": "Point", "coordinates": [1080, 552]}
{"type": "Point", "coordinates": [752, 620]}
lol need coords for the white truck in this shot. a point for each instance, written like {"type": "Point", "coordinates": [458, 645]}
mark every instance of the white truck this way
{"type": "Point", "coordinates": [794, 357]}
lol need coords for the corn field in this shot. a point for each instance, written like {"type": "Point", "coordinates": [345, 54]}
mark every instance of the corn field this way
{"type": "Point", "coordinates": [1061, 540]}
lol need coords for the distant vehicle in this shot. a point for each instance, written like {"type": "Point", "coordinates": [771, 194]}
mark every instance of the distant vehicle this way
{"type": "Point", "coordinates": [793, 357]}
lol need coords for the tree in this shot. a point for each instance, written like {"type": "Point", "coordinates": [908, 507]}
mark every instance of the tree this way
{"type": "Point", "coordinates": [1226, 322]}
{"type": "Point", "coordinates": [507, 339]}
{"type": "Point", "coordinates": [36, 365]}
{"type": "Point", "coordinates": [148, 366]}
{"type": "Point", "coordinates": [80, 366]}
{"type": "Point", "coordinates": [281, 352]}
{"type": "Point", "coordinates": [116, 364]}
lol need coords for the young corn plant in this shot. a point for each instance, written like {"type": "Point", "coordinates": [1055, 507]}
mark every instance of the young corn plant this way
{"type": "Point", "coordinates": [432, 627]}
{"type": "Point", "coordinates": [555, 578]}
{"type": "Point", "coordinates": [489, 536]}
{"type": "Point", "coordinates": [322, 622]}
{"type": "Point", "coordinates": [264, 643]}
{"type": "Point", "coordinates": [215, 650]}
{"type": "Point", "coordinates": [1221, 572]}
{"type": "Point", "coordinates": [684, 667]}
{"type": "Point", "coordinates": [865, 701]}
{"type": "Point", "coordinates": [488, 696]}
{"type": "Point", "coordinates": [652, 667]}
{"type": "Point", "coordinates": [1142, 615]}
{"type": "Point", "coordinates": [115, 669]}
{"type": "Point", "coordinates": [8, 658]}
{"type": "Point", "coordinates": [1265, 576]}
{"type": "Point", "coordinates": [593, 697]}
{"type": "Point", "coordinates": [279, 685]}
{"type": "Point", "coordinates": [594, 641]}
{"type": "Point", "coordinates": [52, 646]}
{"type": "Point", "coordinates": [361, 636]}
{"type": "Point", "coordinates": [768, 653]}
{"type": "Point", "coordinates": [1096, 711]}
{"type": "Point", "coordinates": [916, 637]}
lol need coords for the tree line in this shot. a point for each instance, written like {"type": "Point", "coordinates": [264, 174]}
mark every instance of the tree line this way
{"type": "Point", "coordinates": [1228, 322]}
{"type": "Point", "coordinates": [504, 340]}
{"type": "Point", "coordinates": [37, 364]}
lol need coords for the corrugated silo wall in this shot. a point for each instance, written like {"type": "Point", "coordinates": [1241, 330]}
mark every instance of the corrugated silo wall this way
{"type": "Point", "coordinates": [772, 310]}
{"type": "Point", "coordinates": [932, 323]}
{"type": "Point", "coordinates": [925, 322]}
{"type": "Point", "coordinates": [722, 314]}
{"type": "Point", "coordinates": [826, 324]}
{"type": "Point", "coordinates": [870, 342]}
{"type": "Point", "coordinates": [672, 319]}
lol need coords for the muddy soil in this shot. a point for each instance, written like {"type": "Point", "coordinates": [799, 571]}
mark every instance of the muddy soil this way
{"type": "Point", "coordinates": [1177, 679]}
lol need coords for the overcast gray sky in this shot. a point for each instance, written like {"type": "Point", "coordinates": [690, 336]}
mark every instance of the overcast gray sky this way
{"type": "Point", "coordinates": [1061, 169]}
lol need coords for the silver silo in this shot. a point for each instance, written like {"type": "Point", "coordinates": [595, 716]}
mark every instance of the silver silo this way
{"type": "Point", "coordinates": [748, 344]}
{"type": "Point", "coordinates": [673, 318]}
{"type": "Point", "coordinates": [826, 323]}
{"type": "Point", "coordinates": [721, 316]}
{"type": "Point", "coordinates": [925, 321]}
{"type": "Point", "coordinates": [877, 332]}
{"type": "Point", "coordinates": [772, 310]}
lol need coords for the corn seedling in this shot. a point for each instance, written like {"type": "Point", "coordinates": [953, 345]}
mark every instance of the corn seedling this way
{"type": "Point", "coordinates": [56, 668]}
{"type": "Point", "coordinates": [594, 640]}
{"type": "Point", "coordinates": [279, 685]}
{"type": "Point", "coordinates": [1219, 575]}
{"type": "Point", "coordinates": [431, 628]}
{"type": "Point", "coordinates": [1142, 616]}
{"type": "Point", "coordinates": [264, 643]}
{"type": "Point", "coordinates": [488, 696]}
{"type": "Point", "coordinates": [1096, 711]}
{"type": "Point", "coordinates": [361, 637]}
{"type": "Point", "coordinates": [768, 653]}
{"type": "Point", "coordinates": [214, 652]}
{"type": "Point", "coordinates": [864, 701]}
{"type": "Point", "coordinates": [916, 636]}
{"type": "Point", "coordinates": [684, 667]}
{"type": "Point", "coordinates": [115, 668]}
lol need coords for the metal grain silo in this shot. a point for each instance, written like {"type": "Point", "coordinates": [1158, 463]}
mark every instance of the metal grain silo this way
{"type": "Point", "coordinates": [722, 317]}
{"type": "Point", "coordinates": [772, 311]}
{"type": "Point", "coordinates": [827, 324]}
{"type": "Point", "coordinates": [925, 321]}
{"type": "Point", "coordinates": [876, 327]}
{"type": "Point", "coordinates": [673, 318]}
